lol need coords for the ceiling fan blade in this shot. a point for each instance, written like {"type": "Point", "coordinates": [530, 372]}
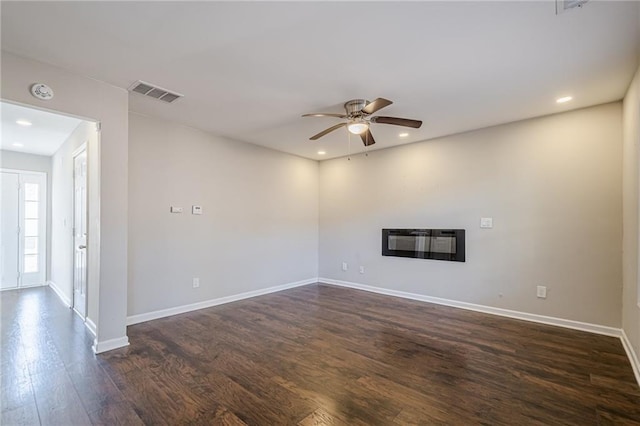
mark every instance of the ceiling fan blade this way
{"type": "Point", "coordinates": [325, 131]}
{"type": "Point", "coordinates": [397, 121]}
{"type": "Point", "coordinates": [367, 138]}
{"type": "Point", "coordinates": [375, 105]}
{"type": "Point", "coordinates": [325, 114]}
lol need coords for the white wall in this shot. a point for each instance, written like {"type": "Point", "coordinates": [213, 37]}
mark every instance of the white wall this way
{"type": "Point", "coordinates": [88, 98]}
{"type": "Point", "coordinates": [62, 215]}
{"type": "Point", "coordinates": [36, 163]}
{"type": "Point", "coordinates": [260, 223]}
{"type": "Point", "coordinates": [551, 184]}
{"type": "Point", "coordinates": [631, 298]}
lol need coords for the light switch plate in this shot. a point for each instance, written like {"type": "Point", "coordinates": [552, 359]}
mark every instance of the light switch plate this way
{"type": "Point", "coordinates": [486, 222]}
{"type": "Point", "coordinates": [196, 209]}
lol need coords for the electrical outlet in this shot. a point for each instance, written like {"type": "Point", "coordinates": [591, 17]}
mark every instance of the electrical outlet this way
{"type": "Point", "coordinates": [345, 266]}
{"type": "Point", "coordinates": [196, 282]}
{"type": "Point", "coordinates": [362, 269]}
{"type": "Point", "coordinates": [542, 292]}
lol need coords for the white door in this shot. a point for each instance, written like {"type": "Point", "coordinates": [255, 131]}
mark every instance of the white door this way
{"type": "Point", "coordinates": [23, 257]}
{"type": "Point", "coordinates": [33, 231]}
{"type": "Point", "coordinates": [9, 223]}
{"type": "Point", "coordinates": [80, 233]}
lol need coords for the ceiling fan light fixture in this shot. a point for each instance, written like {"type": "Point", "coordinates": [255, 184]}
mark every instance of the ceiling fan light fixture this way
{"type": "Point", "coordinates": [358, 119]}
{"type": "Point", "coordinates": [358, 127]}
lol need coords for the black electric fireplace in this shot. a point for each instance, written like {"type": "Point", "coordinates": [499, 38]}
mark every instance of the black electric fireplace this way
{"type": "Point", "coordinates": [438, 244]}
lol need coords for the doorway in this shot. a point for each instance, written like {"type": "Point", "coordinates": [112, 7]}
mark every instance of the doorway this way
{"type": "Point", "coordinates": [50, 171]}
{"type": "Point", "coordinates": [80, 231]}
{"type": "Point", "coordinates": [23, 229]}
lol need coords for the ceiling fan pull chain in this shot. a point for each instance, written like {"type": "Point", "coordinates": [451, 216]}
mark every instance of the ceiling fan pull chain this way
{"type": "Point", "coordinates": [349, 146]}
{"type": "Point", "coordinates": [366, 147]}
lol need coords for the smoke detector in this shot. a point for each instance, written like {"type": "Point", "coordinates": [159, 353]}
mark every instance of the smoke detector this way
{"type": "Point", "coordinates": [153, 91]}
{"type": "Point", "coordinates": [41, 91]}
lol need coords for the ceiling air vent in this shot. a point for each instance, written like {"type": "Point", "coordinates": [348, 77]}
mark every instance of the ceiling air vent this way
{"type": "Point", "coordinates": [564, 5]}
{"type": "Point", "coordinates": [155, 92]}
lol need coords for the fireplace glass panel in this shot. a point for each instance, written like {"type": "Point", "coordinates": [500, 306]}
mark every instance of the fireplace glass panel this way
{"type": "Point", "coordinates": [438, 244]}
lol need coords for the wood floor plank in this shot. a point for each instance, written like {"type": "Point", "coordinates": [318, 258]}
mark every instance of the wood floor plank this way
{"type": "Point", "coordinates": [26, 414]}
{"type": "Point", "coordinates": [116, 413]}
{"type": "Point", "coordinates": [320, 417]}
{"type": "Point", "coordinates": [95, 388]}
{"type": "Point", "coordinates": [57, 400]}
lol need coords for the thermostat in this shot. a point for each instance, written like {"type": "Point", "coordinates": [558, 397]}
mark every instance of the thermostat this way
{"type": "Point", "coordinates": [196, 210]}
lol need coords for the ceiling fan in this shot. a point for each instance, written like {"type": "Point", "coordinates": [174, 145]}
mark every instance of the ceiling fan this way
{"type": "Point", "coordinates": [358, 115]}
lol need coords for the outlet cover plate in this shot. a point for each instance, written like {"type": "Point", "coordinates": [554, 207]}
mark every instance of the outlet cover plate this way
{"type": "Point", "coordinates": [541, 292]}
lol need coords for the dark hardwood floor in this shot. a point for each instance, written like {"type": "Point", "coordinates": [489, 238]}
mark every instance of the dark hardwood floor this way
{"type": "Point", "coordinates": [314, 355]}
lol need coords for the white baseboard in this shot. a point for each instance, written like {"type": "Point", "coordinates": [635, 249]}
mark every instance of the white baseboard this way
{"type": "Point", "coordinates": [560, 322]}
{"type": "Point", "coordinates": [633, 357]}
{"type": "Point", "coordinates": [135, 319]}
{"type": "Point", "coordinates": [91, 326]}
{"type": "Point", "coordinates": [109, 345]}
{"type": "Point", "coordinates": [60, 294]}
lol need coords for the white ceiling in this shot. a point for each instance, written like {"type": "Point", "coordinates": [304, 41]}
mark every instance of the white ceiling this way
{"type": "Point", "coordinates": [248, 70]}
{"type": "Point", "coordinates": [46, 134]}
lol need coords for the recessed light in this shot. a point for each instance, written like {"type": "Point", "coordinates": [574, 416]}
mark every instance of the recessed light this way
{"type": "Point", "coordinates": [403, 135]}
{"type": "Point", "coordinates": [322, 152]}
{"type": "Point", "coordinates": [564, 99]}
{"type": "Point", "coordinates": [23, 123]}
{"type": "Point", "coordinates": [18, 144]}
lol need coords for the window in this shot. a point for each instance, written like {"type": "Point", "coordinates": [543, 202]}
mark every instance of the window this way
{"type": "Point", "coordinates": [31, 227]}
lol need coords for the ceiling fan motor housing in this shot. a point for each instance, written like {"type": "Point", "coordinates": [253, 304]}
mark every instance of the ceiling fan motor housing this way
{"type": "Point", "coordinates": [354, 107]}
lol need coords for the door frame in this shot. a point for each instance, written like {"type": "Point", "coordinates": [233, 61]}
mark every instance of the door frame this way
{"type": "Point", "coordinates": [42, 213]}
{"type": "Point", "coordinates": [74, 154]}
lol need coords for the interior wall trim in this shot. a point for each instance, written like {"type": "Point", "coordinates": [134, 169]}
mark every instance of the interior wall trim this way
{"type": "Point", "coordinates": [109, 345]}
{"type": "Point", "coordinates": [136, 319]}
{"type": "Point", "coordinates": [56, 290]}
{"type": "Point", "coordinates": [633, 357]}
{"type": "Point", "coordinates": [542, 319]}
{"type": "Point", "coordinates": [560, 322]}
{"type": "Point", "coordinates": [91, 326]}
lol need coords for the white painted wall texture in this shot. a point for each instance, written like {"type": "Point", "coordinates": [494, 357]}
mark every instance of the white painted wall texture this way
{"type": "Point", "coordinates": [259, 226]}
{"type": "Point", "coordinates": [551, 184]}
{"type": "Point", "coordinates": [62, 218]}
{"type": "Point", "coordinates": [631, 298]}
